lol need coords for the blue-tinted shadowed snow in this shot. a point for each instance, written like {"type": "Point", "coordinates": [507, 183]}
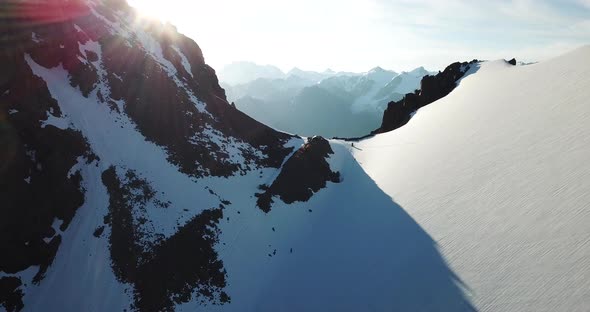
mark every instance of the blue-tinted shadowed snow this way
{"type": "Point", "coordinates": [350, 248]}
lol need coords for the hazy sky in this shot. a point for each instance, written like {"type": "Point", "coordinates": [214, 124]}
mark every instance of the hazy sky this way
{"type": "Point", "coordinates": [356, 35]}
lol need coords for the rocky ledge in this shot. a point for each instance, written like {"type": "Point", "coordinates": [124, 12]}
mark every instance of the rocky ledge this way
{"type": "Point", "coordinates": [305, 173]}
{"type": "Point", "coordinates": [432, 88]}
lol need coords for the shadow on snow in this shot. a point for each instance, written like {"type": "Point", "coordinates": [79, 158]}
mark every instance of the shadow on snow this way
{"type": "Point", "coordinates": [363, 252]}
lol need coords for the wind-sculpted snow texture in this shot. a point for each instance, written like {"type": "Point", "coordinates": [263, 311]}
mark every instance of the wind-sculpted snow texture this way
{"type": "Point", "coordinates": [496, 172]}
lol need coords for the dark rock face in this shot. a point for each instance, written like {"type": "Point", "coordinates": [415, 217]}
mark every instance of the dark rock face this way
{"type": "Point", "coordinates": [305, 173]}
{"type": "Point", "coordinates": [36, 185]}
{"type": "Point", "coordinates": [10, 294]}
{"type": "Point", "coordinates": [168, 125]}
{"type": "Point", "coordinates": [512, 62]}
{"type": "Point", "coordinates": [432, 88]}
{"type": "Point", "coordinates": [171, 270]}
{"type": "Point", "coordinates": [163, 109]}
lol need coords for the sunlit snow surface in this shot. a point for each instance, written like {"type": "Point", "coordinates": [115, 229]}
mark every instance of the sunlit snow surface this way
{"type": "Point", "coordinates": [497, 173]}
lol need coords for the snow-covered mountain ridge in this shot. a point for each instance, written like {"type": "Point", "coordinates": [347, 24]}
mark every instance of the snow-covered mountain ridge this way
{"type": "Point", "coordinates": [128, 182]}
{"type": "Point", "coordinates": [496, 173]}
{"type": "Point", "coordinates": [112, 126]}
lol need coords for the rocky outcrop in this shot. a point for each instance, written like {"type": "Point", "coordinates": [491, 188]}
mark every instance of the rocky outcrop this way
{"type": "Point", "coordinates": [432, 88]}
{"type": "Point", "coordinates": [512, 62]}
{"type": "Point", "coordinates": [168, 125]}
{"type": "Point", "coordinates": [167, 272]}
{"type": "Point", "coordinates": [10, 294]}
{"type": "Point", "coordinates": [305, 173]}
{"type": "Point", "coordinates": [38, 184]}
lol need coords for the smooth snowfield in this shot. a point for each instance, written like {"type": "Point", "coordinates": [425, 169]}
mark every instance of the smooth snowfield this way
{"type": "Point", "coordinates": [497, 174]}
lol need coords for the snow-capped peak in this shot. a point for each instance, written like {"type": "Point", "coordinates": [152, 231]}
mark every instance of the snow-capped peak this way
{"type": "Point", "coordinates": [420, 71]}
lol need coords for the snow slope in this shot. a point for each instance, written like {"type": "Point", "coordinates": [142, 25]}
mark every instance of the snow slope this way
{"type": "Point", "coordinates": [497, 174]}
{"type": "Point", "coordinates": [349, 248]}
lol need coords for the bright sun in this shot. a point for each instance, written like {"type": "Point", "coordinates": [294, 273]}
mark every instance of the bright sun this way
{"type": "Point", "coordinates": [195, 18]}
{"type": "Point", "coordinates": [152, 8]}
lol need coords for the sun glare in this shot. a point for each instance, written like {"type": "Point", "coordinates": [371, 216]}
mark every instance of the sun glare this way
{"type": "Point", "coordinates": [152, 9]}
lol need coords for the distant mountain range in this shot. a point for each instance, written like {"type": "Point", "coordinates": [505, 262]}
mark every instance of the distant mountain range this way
{"type": "Point", "coordinates": [244, 72]}
{"type": "Point", "coordinates": [238, 73]}
{"type": "Point", "coordinates": [308, 103]}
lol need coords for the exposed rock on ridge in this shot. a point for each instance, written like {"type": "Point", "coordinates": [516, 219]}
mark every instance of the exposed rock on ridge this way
{"type": "Point", "coordinates": [305, 173]}
{"type": "Point", "coordinates": [432, 88]}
